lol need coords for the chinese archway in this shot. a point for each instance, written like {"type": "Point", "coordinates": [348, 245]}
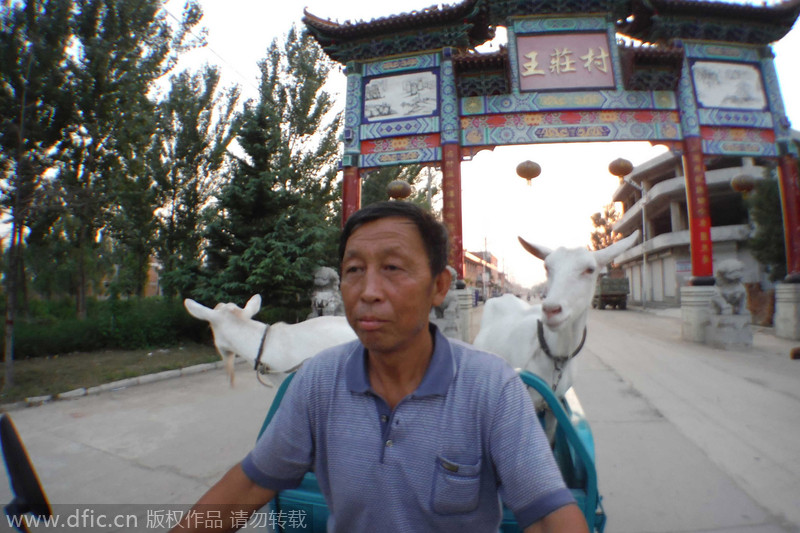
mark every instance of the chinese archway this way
{"type": "Point", "coordinates": [700, 79]}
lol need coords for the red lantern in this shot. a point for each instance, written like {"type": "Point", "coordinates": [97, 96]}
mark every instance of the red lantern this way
{"type": "Point", "coordinates": [399, 189]}
{"type": "Point", "coordinates": [528, 170]}
{"type": "Point", "coordinates": [743, 183]}
{"type": "Point", "coordinates": [620, 167]}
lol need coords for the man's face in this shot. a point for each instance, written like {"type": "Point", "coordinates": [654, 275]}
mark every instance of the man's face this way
{"type": "Point", "coordinates": [387, 286]}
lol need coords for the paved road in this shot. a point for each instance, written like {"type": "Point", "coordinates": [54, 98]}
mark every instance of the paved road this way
{"type": "Point", "coordinates": [688, 438]}
{"type": "Point", "coordinates": [691, 438]}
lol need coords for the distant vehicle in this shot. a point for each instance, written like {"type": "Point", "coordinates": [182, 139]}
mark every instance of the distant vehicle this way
{"type": "Point", "coordinates": [611, 291]}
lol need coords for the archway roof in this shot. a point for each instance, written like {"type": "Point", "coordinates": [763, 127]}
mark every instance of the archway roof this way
{"type": "Point", "coordinates": [663, 20]}
{"type": "Point", "coordinates": [464, 25]}
{"type": "Point", "coordinates": [472, 22]}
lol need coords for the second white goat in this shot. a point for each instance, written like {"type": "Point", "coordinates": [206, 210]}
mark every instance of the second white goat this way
{"type": "Point", "coordinates": [279, 347]}
{"type": "Point", "coordinates": [544, 339]}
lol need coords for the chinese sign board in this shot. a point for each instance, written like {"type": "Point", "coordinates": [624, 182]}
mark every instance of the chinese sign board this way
{"type": "Point", "coordinates": [559, 61]}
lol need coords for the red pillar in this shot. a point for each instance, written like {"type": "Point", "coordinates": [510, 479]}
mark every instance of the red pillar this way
{"type": "Point", "coordinates": [451, 188]}
{"type": "Point", "coordinates": [699, 214]}
{"type": "Point", "coordinates": [790, 199]}
{"type": "Point", "coordinates": [351, 192]}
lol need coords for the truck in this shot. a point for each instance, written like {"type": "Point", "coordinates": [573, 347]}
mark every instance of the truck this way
{"type": "Point", "coordinates": [611, 290]}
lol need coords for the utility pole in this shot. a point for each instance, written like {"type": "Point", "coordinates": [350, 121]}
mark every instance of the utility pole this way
{"type": "Point", "coordinates": [622, 168]}
{"type": "Point", "coordinates": [485, 258]}
{"type": "Point", "coordinates": [643, 280]}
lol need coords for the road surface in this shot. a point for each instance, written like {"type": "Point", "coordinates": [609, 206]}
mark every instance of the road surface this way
{"type": "Point", "coordinates": [688, 438]}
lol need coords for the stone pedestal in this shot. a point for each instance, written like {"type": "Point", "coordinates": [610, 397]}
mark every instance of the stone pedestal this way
{"type": "Point", "coordinates": [464, 312]}
{"type": "Point", "coordinates": [787, 311]}
{"type": "Point", "coordinates": [695, 312]}
{"type": "Point", "coordinates": [729, 331]}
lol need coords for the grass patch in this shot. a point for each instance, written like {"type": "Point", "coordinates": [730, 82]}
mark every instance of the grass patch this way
{"type": "Point", "coordinates": [41, 376]}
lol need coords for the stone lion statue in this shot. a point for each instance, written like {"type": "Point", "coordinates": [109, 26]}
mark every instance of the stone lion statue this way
{"type": "Point", "coordinates": [446, 315]}
{"type": "Point", "coordinates": [326, 299]}
{"type": "Point", "coordinates": [730, 296]}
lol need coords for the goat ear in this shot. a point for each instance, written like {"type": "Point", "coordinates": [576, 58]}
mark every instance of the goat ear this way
{"type": "Point", "coordinates": [198, 310]}
{"type": "Point", "coordinates": [252, 306]}
{"type": "Point", "coordinates": [606, 255]}
{"type": "Point", "coordinates": [534, 249]}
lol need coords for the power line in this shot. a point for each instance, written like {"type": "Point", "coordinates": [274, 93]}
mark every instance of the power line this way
{"type": "Point", "coordinates": [230, 67]}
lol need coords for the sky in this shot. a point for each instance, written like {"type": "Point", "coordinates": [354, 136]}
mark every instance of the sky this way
{"type": "Point", "coordinates": [497, 205]}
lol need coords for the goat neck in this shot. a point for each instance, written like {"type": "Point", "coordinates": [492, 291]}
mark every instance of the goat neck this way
{"type": "Point", "coordinates": [242, 337]}
{"type": "Point", "coordinates": [564, 341]}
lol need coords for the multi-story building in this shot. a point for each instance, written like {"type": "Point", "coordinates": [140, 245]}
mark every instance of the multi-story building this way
{"type": "Point", "coordinates": [483, 273]}
{"type": "Point", "coordinates": [663, 213]}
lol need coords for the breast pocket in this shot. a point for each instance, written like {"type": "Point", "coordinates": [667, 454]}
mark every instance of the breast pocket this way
{"type": "Point", "coordinates": [456, 487]}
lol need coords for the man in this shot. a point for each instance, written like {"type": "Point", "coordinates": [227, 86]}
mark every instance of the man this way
{"type": "Point", "coordinates": [405, 429]}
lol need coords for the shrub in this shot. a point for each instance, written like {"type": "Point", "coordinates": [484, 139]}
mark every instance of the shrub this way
{"type": "Point", "coordinates": [110, 324]}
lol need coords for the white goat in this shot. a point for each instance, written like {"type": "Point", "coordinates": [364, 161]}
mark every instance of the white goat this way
{"type": "Point", "coordinates": [544, 339]}
{"type": "Point", "coordinates": [279, 347]}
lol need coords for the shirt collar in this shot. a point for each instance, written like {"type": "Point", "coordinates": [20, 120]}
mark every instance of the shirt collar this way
{"type": "Point", "coordinates": [436, 381]}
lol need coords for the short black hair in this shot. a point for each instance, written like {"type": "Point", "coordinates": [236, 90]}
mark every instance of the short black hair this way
{"type": "Point", "coordinates": [433, 233]}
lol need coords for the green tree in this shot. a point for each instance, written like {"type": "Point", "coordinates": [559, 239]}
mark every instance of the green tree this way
{"type": "Point", "coordinates": [195, 129]}
{"type": "Point", "coordinates": [424, 184]}
{"type": "Point", "coordinates": [603, 234]}
{"type": "Point", "coordinates": [47, 251]}
{"type": "Point", "coordinates": [128, 234]}
{"type": "Point", "coordinates": [34, 109]}
{"type": "Point", "coordinates": [275, 221]}
{"type": "Point", "coordinates": [121, 49]}
{"type": "Point", "coordinates": [767, 242]}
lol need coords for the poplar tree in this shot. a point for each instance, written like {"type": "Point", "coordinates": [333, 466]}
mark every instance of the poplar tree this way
{"type": "Point", "coordinates": [121, 49]}
{"type": "Point", "coordinates": [34, 110]}
{"type": "Point", "coordinates": [195, 128]}
{"type": "Point", "coordinates": [276, 222]}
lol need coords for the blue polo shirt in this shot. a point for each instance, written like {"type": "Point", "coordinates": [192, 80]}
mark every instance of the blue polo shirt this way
{"type": "Point", "coordinates": [440, 461]}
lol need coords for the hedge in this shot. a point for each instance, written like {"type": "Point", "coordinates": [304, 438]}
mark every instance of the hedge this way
{"type": "Point", "coordinates": [110, 324]}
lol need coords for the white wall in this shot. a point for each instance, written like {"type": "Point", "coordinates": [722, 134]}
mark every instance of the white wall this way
{"type": "Point", "coordinates": [656, 269]}
{"type": "Point", "coordinates": [670, 278]}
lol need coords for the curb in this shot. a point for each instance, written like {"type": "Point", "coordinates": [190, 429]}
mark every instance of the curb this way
{"type": "Point", "coordinates": [34, 401]}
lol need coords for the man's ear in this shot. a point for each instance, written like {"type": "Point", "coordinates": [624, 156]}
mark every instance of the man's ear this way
{"type": "Point", "coordinates": [441, 286]}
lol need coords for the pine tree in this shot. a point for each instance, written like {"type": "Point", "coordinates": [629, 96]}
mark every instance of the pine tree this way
{"type": "Point", "coordinates": [767, 242]}
{"type": "Point", "coordinates": [276, 222]}
{"type": "Point", "coordinates": [424, 183]}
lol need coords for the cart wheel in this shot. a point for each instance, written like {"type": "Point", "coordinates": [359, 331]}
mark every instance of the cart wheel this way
{"type": "Point", "coordinates": [623, 305]}
{"type": "Point", "coordinates": [28, 494]}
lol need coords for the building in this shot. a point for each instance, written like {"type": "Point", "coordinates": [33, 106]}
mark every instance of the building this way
{"type": "Point", "coordinates": [484, 265]}
{"type": "Point", "coordinates": [483, 274]}
{"type": "Point", "coordinates": [667, 265]}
